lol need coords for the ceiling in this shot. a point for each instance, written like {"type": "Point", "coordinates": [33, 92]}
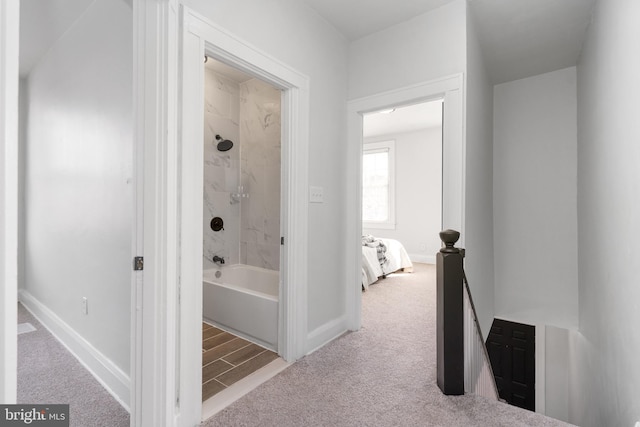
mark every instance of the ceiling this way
{"type": "Point", "coordinates": [358, 18]}
{"type": "Point", "coordinates": [403, 119]}
{"type": "Point", "coordinates": [524, 38]}
{"type": "Point", "coordinates": [519, 38]}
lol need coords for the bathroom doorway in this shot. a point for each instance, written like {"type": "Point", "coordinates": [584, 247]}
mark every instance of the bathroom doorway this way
{"type": "Point", "coordinates": [241, 227]}
{"type": "Point", "coordinates": [200, 39]}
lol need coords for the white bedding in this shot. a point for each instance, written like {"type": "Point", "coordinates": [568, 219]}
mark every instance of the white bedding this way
{"type": "Point", "coordinates": [397, 258]}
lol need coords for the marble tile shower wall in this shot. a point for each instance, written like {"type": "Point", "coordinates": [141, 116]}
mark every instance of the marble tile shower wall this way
{"type": "Point", "coordinates": [248, 114]}
{"type": "Point", "coordinates": [221, 169]}
{"type": "Point", "coordinates": [260, 174]}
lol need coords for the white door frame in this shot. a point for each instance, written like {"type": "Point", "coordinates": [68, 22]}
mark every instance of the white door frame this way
{"type": "Point", "coordinates": [9, 42]}
{"type": "Point", "coordinates": [200, 36]}
{"type": "Point", "coordinates": [451, 89]}
{"type": "Point", "coordinates": [153, 350]}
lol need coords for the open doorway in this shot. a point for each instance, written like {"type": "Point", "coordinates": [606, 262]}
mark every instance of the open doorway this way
{"type": "Point", "coordinates": [241, 227]}
{"type": "Point", "coordinates": [401, 188]}
{"type": "Point", "coordinates": [449, 90]}
{"type": "Point", "coordinates": [401, 203]}
{"type": "Point", "coordinates": [201, 38]}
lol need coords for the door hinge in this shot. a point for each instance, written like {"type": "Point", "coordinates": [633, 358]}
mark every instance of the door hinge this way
{"type": "Point", "coordinates": [282, 240]}
{"type": "Point", "coordinates": [138, 263]}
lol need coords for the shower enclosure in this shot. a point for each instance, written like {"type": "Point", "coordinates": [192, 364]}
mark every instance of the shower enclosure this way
{"type": "Point", "coordinates": [241, 228]}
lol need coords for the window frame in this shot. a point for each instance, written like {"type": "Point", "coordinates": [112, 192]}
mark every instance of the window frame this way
{"type": "Point", "coordinates": [387, 146]}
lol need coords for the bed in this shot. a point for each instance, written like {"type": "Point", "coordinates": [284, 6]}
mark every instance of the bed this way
{"type": "Point", "coordinates": [396, 259]}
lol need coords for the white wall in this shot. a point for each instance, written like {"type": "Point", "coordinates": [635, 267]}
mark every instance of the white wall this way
{"type": "Point", "coordinates": [292, 33]}
{"type": "Point", "coordinates": [479, 263]}
{"type": "Point", "coordinates": [79, 182]}
{"type": "Point", "coordinates": [418, 192]}
{"type": "Point", "coordinates": [535, 216]}
{"type": "Point", "coordinates": [427, 47]}
{"type": "Point", "coordinates": [605, 388]}
{"type": "Point", "coordinates": [557, 344]}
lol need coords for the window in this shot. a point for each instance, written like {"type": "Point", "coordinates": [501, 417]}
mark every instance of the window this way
{"type": "Point", "coordinates": [378, 192]}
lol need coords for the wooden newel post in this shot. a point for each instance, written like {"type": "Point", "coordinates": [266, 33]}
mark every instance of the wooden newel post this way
{"type": "Point", "coordinates": [450, 334]}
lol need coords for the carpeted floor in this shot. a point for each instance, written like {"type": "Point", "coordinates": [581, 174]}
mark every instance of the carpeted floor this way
{"type": "Point", "coordinates": [382, 375]}
{"type": "Point", "coordinates": [48, 373]}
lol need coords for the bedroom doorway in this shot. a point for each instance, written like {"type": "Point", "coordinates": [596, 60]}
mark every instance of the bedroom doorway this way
{"type": "Point", "coordinates": [401, 186]}
{"type": "Point", "coordinates": [401, 202]}
{"type": "Point", "coordinates": [449, 92]}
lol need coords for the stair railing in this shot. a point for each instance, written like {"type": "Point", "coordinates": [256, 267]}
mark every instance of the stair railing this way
{"type": "Point", "coordinates": [462, 358]}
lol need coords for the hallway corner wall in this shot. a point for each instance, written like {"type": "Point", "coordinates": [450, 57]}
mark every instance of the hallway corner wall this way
{"type": "Point", "coordinates": [479, 240]}
{"type": "Point", "coordinates": [535, 207]}
{"type": "Point", "coordinates": [79, 183]}
{"type": "Point", "coordinates": [604, 388]}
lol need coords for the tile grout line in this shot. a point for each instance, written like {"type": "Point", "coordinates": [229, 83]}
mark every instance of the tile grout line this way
{"type": "Point", "coordinates": [251, 358]}
{"type": "Point", "coordinates": [222, 357]}
{"type": "Point", "coordinates": [232, 367]}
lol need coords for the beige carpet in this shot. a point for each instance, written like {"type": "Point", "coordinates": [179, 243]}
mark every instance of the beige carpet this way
{"type": "Point", "coordinates": [382, 375]}
{"type": "Point", "coordinates": [48, 373]}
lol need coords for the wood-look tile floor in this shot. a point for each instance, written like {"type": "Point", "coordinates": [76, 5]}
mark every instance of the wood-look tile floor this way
{"type": "Point", "coordinates": [226, 359]}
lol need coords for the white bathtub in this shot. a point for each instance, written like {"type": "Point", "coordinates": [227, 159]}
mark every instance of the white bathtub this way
{"type": "Point", "coordinates": [244, 301]}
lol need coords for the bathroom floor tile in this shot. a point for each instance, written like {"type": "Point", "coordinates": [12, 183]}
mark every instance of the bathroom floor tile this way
{"type": "Point", "coordinates": [214, 369]}
{"type": "Point", "coordinates": [211, 332]}
{"type": "Point", "coordinates": [226, 359]}
{"type": "Point", "coordinates": [240, 356]}
{"type": "Point", "coordinates": [223, 350]}
{"type": "Point", "coordinates": [248, 367]}
{"type": "Point", "coordinates": [217, 340]}
{"type": "Point", "coordinates": [210, 388]}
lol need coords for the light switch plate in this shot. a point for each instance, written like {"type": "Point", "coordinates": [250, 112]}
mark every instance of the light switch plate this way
{"type": "Point", "coordinates": [315, 195]}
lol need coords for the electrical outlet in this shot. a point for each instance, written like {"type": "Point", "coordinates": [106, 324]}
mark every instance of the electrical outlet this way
{"type": "Point", "coordinates": [85, 305]}
{"type": "Point", "coordinates": [315, 195]}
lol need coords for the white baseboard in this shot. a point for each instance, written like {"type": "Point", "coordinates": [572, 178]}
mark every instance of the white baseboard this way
{"type": "Point", "coordinates": [112, 378]}
{"type": "Point", "coordinates": [325, 333]}
{"type": "Point", "coordinates": [425, 259]}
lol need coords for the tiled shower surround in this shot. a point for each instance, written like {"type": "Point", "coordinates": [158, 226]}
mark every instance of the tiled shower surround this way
{"type": "Point", "coordinates": [248, 114]}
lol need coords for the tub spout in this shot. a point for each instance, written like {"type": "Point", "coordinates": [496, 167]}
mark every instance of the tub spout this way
{"type": "Point", "coordinates": [218, 259]}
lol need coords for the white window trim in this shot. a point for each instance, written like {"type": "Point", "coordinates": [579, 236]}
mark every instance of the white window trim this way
{"type": "Point", "coordinates": [390, 147]}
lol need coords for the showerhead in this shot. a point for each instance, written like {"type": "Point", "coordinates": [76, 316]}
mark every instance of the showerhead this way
{"type": "Point", "coordinates": [223, 144]}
